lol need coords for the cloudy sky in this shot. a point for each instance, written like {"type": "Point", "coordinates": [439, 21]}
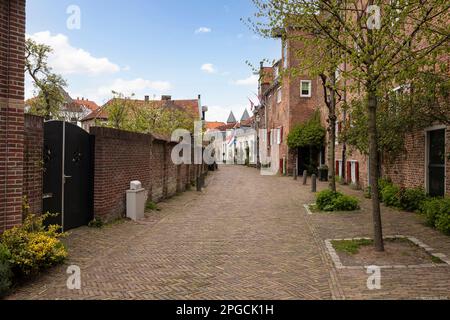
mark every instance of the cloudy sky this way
{"type": "Point", "coordinates": [153, 47]}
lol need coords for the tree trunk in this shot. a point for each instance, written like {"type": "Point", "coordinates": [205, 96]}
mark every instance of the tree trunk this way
{"type": "Point", "coordinates": [373, 169]}
{"type": "Point", "coordinates": [332, 144]}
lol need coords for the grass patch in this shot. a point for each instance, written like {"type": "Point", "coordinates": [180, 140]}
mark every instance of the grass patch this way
{"type": "Point", "coordinates": [436, 260]}
{"type": "Point", "coordinates": [97, 223]}
{"type": "Point", "coordinates": [150, 205]}
{"type": "Point", "coordinates": [350, 246]}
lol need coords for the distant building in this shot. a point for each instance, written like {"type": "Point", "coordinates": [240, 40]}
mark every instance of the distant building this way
{"type": "Point", "coordinates": [236, 141]}
{"type": "Point", "coordinates": [71, 110]}
{"type": "Point", "coordinates": [192, 107]}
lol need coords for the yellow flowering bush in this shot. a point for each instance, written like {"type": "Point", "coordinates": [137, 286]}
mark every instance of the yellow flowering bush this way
{"type": "Point", "coordinates": [33, 246]}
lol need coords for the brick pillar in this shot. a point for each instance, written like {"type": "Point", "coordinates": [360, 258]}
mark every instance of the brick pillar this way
{"type": "Point", "coordinates": [12, 47]}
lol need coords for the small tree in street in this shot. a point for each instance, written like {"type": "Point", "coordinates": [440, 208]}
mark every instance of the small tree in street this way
{"type": "Point", "coordinates": [386, 43]}
{"type": "Point", "coordinates": [49, 85]}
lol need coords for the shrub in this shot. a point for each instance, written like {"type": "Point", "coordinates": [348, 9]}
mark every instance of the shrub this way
{"type": "Point", "coordinates": [412, 199]}
{"type": "Point", "coordinates": [443, 220]}
{"type": "Point", "coordinates": [383, 183]}
{"type": "Point", "coordinates": [391, 196]}
{"type": "Point", "coordinates": [431, 208]}
{"type": "Point", "coordinates": [5, 270]}
{"type": "Point", "coordinates": [328, 200]}
{"type": "Point", "coordinates": [96, 223]}
{"type": "Point", "coordinates": [33, 246]}
{"type": "Point", "coordinates": [325, 199]}
{"type": "Point", "coordinates": [437, 213]}
{"type": "Point", "coordinates": [345, 203]}
{"type": "Point", "coordinates": [368, 192]}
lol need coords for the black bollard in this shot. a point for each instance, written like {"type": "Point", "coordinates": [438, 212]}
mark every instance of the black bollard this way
{"type": "Point", "coordinates": [305, 177]}
{"type": "Point", "coordinates": [199, 184]}
{"type": "Point", "coordinates": [314, 183]}
{"type": "Point", "coordinates": [295, 173]}
{"type": "Point", "coordinates": [203, 178]}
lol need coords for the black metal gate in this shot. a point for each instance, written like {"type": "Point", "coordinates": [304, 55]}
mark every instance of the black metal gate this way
{"type": "Point", "coordinates": [436, 163]}
{"type": "Point", "coordinates": [68, 174]}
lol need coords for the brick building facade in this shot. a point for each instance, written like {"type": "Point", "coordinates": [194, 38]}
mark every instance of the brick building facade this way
{"type": "Point", "coordinates": [12, 48]}
{"type": "Point", "coordinates": [285, 103]}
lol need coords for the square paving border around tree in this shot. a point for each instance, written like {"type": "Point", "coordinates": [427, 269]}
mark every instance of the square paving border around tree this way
{"type": "Point", "coordinates": [338, 263]}
{"type": "Point", "coordinates": [308, 210]}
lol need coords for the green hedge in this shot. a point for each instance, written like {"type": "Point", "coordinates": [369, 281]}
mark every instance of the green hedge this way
{"type": "Point", "coordinates": [435, 210]}
{"type": "Point", "coordinates": [5, 270]}
{"type": "Point", "coordinates": [328, 200]}
{"type": "Point", "coordinates": [437, 213]}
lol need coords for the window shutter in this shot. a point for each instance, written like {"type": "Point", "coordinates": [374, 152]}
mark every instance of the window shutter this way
{"type": "Point", "coordinates": [281, 135]}
{"type": "Point", "coordinates": [349, 172]}
{"type": "Point", "coordinates": [337, 168]}
{"type": "Point", "coordinates": [357, 172]}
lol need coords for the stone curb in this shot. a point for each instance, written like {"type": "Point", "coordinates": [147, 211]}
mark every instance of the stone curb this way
{"type": "Point", "coordinates": [338, 263]}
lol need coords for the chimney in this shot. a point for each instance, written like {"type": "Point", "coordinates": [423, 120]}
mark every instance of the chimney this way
{"type": "Point", "coordinates": [147, 98]}
{"type": "Point", "coordinates": [166, 98]}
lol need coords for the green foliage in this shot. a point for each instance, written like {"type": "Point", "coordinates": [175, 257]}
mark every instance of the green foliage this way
{"type": "Point", "coordinates": [391, 196]}
{"type": "Point", "coordinates": [150, 205]}
{"type": "Point", "coordinates": [437, 213]}
{"type": "Point", "coordinates": [125, 113]}
{"type": "Point", "coordinates": [34, 247]}
{"type": "Point", "coordinates": [383, 183]}
{"type": "Point", "coordinates": [310, 133]}
{"type": "Point", "coordinates": [325, 199]}
{"type": "Point", "coordinates": [443, 221]}
{"type": "Point", "coordinates": [96, 223]}
{"type": "Point", "coordinates": [49, 98]}
{"type": "Point", "coordinates": [351, 246]}
{"type": "Point", "coordinates": [368, 192]}
{"type": "Point", "coordinates": [412, 199]}
{"type": "Point", "coordinates": [405, 199]}
{"type": "Point", "coordinates": [5, 270]}
{"type": "Point", "coordinates": [328, 200]}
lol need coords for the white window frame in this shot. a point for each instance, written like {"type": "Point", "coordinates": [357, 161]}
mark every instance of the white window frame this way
{"type": "Point", "coordinates": [276, 72]}
{"type": "Point", "coordinates": [279, 95]}
{"type": "Point", "coordinates": [301, 89]}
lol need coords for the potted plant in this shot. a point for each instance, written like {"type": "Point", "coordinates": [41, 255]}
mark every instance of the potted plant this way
{"type": "Point", "coordinates": [323, 173]}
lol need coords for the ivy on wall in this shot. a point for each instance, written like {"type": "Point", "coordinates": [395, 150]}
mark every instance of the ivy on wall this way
{"type": "Point", "coordinates": [310, 133]}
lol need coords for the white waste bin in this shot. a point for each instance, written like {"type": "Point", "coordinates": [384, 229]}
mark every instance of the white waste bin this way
{"type": "Point", "coordinates": [136, 199]}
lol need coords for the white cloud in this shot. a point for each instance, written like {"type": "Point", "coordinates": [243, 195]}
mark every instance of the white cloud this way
{"type": "Point", "coordinates": [203, 30]}
{"type": "Point", "coordinates": [250, 81]}
{"type": "Point", "coordinates": [208, 68]}
{"type": "Point", "coordinates": [140, 87]}
{"type": "Point", "coordinates": [68, 60]}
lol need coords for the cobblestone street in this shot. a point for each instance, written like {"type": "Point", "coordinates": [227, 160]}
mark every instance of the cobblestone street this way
{"type": "Point", "coordinates": [246, 236]}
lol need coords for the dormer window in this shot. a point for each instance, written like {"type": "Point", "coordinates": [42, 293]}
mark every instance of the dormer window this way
{"type": "Point", "coordinates": [305, 88]}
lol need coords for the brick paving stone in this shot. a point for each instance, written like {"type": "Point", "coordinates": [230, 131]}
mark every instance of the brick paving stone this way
{"type": "Point", "coordinates": [245, 237]}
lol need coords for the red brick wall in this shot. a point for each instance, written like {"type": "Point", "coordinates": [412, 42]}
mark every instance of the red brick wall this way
{"type": "Point", "coordinates": [12, 44]}
{"type": "Point", "coordinates": [32, 169]}
{"type": "Point", "coordinates": [157, 171]}
{"type": "Point", "coordinates": [408, 170]}
{"type": "Point", "coordinates": [121, 157]}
